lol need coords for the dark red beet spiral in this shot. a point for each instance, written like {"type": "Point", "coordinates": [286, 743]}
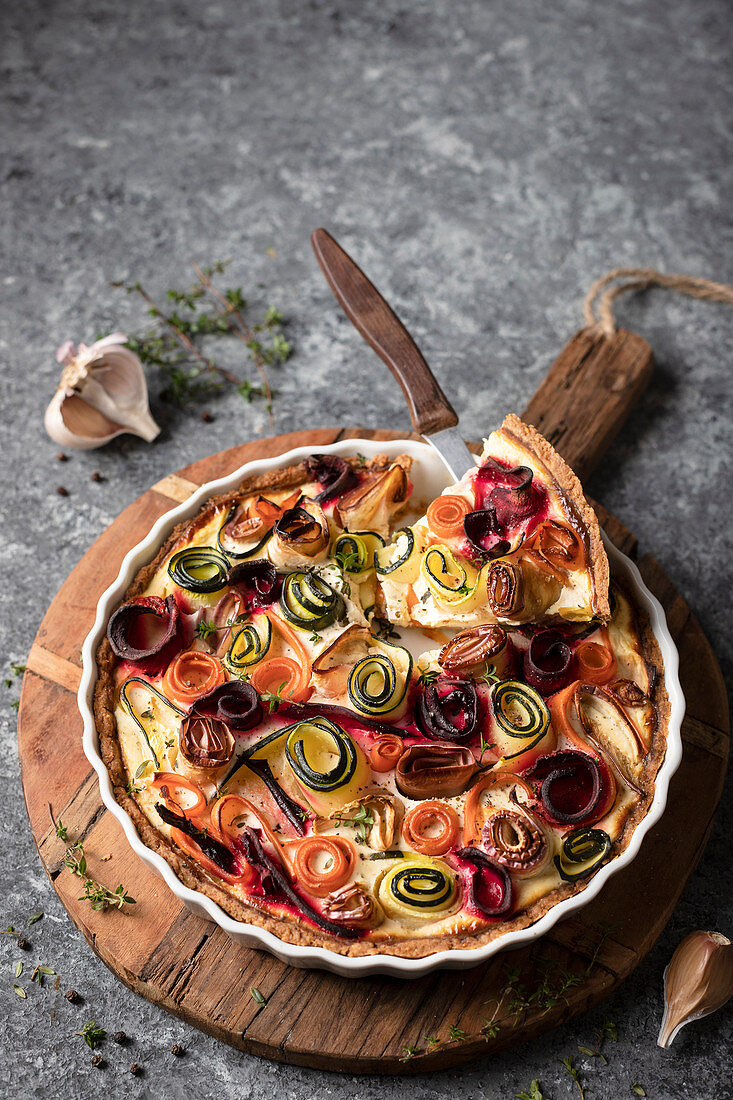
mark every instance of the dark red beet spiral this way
{"type": "Point", "coordinates": [448, 710]}
{"type": "Point", "coordinates": [235, 703]}
{"type": "Point", "coordinates": [569, 785]}
{"type": "Point", "coordinates": [548, 662]}
{"type": "Point", "coordinates": [148, 632]}
{"type": "Point", "coordinates": [488, 887]}
{"type": "Point", "coordinates": [485, 534]}
{"type": "Point", "coordinates": [333, 473]}
{"type": "Point", "coordinates": [256, 582]}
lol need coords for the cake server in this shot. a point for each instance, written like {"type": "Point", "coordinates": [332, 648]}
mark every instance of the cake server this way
{"type": "Point", "coordinates": [430, 410]}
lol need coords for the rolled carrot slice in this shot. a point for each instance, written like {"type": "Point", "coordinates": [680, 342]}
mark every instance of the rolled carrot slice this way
{"type": "Point", "coordinates": [595, 662]}
{"type": "Point", "coordinates": [192, 674]}
{"type": "Point", "coordinates": [300, 691]}
{"type": "Point", "coordinates": [431, 828]}
{"type": "Point", "coordinates": [385, 752]}
{"type": "Point", "coordinates": [446, 514]}
{"type": "Point", "coordinates": [278, 676]}
{"type": "Point", "coordinates": [473, 800]}
{"type": "Point", "coordinates": [184, 796]}
{"type": "Point", "coordinates": [322, 863]}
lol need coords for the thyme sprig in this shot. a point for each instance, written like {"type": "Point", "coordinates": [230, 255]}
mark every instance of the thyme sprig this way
{"type": "Point", "coordinates": [535, 1092]}
{"type": "Point", "coordinates": [100, 897]}
{"type": "Point", "coordinates": [361, 820]}
{"type": "Point", "coordinates": [551, 986]}
{"type": "Point", "coordinates": [91, 1034]}
{"type": "Point", "coordinates": [173, 344]}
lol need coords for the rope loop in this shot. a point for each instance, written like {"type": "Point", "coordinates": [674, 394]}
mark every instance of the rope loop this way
{"type": "Point", "coordinates": [598, 304]}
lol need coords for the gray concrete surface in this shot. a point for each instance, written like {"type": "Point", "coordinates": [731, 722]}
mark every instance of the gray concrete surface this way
{"type": "Point", "coordinates": [485, 161]}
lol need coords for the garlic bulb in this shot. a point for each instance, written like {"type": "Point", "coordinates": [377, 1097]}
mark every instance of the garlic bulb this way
{"type": "Point", "coordinates": [102, 393]}
{"type": "Point", "coordinates": [698, 981]}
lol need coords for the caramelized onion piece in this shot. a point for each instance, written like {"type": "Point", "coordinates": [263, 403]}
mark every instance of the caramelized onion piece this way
{"type": "Point", "coordinates": [302, 529]}
{"type": "Point", "coordinates": [352, 905]}
{"type": "Point", "coordinates": [256, 581]}
{"type": "Point", "coordinates": [485, 534]}
{"type": "Point", "coordinates": [441, 771]}
{"type": "Point", "coordinates": [515, 841]}
{"type": "Point", "coordinates": [568, 784]}
{"type": "Point", "coordinates": [547, 662]}
{"type": "Point", "coordinates": [205, 742]}
{"type": "Point", "coordinates": [505, 589]}
{"type": "Point", "coordinates": [235, 703]}
{"type": "Point", "coordinates": [488, 887]}
{"type": "Point", "coordinates": [228, 609]}
{"type": "Point", "coordinates": [125, 632]}
{"type": "Point", "coordinates": [470, 650]}
{"type": "Point", "coordinates": [333, 473]}
{"type": "Point", "coordinates": [448, 710]}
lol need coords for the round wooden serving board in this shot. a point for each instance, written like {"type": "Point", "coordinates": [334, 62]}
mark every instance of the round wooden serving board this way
{"type": "Point", "coordinates": [310, 1017]}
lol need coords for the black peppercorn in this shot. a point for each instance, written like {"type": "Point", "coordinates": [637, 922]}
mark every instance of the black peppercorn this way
{"type": "Point", "coordinates": [177, 1049]}
{"type": "Point", "coordinates": [206, 417]}
{"type": "Point", "coordinates": [135, 1069]}
{"type": "Point", "coordinates": [62, 457]}
{"type": "Point", "coordinates": [62, 492]}
{"type": "Point", "coordinates": [119, 1037]}
{"type": "Point", "coordinates": [72, 996]}
{"type": "Point", "coordinates": [23, 943]}
{"type": "Point", "coordinates": [98, 1060]}
{"type": "Point", "coordinates": [96, 476]}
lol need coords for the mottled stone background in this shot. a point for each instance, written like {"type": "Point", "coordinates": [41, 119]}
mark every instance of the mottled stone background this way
{"type": "Point", "coordinates": [485, 161]}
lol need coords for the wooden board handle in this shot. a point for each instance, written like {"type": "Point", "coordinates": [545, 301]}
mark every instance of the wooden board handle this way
{"type": "Point", "coordinates": [588, 393]}
{"type": "Point", "coordinates": [430, 409]}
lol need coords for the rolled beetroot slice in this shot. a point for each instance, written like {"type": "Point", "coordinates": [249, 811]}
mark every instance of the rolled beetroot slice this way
{"type": "Point", "coordinates": [448, 710]}
{"type": "Point", "coordinates": [333, 473]}
{"type": "Point", "coordinates": [150, 644]}
{"type": "Point", "coordinates": [487, 885]}
{"type": "Point", "coordinates": [548, 662]}
{"type": "Point", "coordinates": [235, 703]}
{"type": "Point", "coordinates": [275, 883]}
{"type": "Point", "coordinates": [256, 582]}
{"type": "Point", "coordinates": [485, 534]}
{"type": "Point", "coordinates": [569, 785]}
{"type": "Point", "coordinates": [514, 501]}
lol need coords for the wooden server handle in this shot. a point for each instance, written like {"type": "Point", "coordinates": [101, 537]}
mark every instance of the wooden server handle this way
{"type": "Point", "coordinates": [430, 409]}
{"type": "Point", "coordinates": [588, 393]}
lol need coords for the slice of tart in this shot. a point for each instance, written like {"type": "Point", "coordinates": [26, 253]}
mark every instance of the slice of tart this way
{"type": "Point", "coordinates": [514, 541]}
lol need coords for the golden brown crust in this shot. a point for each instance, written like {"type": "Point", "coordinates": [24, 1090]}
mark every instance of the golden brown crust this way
{"type": "Point", "coordinates": [191, 875]}
{"type": "Point", "coordinates": [574, 499]}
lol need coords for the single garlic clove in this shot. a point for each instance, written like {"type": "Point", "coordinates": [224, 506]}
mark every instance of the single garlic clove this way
{"type": "Point", "coordinates": [698, 981]}
{"type": "Point", "coordinates": [102, 394]}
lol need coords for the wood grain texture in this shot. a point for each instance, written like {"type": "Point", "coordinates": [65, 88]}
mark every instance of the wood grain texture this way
{"type": "Point", "coordinates": [588, 393]}
{"type": "Point", "coordinates": [312, 1018]}
{"type": "Point", "coordinates": [430, 409]}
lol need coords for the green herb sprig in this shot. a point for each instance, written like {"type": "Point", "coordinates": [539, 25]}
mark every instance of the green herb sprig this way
{"type": "Point", "coordinates": [361, 820]}
{"type": "Point", "coordinates": [91, 1034]}
{"type": "Point", "coordinates": [100, 897]}
{"type": "Point", "coordinates": [199, 311]}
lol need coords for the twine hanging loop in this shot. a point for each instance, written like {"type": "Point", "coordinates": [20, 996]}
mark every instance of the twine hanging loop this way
{"type": "Point", "coordinates": [598, 304]}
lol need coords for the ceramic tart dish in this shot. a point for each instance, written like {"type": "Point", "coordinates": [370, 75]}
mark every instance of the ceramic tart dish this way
{"type": "Point", "coordinates": [375, 722]}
